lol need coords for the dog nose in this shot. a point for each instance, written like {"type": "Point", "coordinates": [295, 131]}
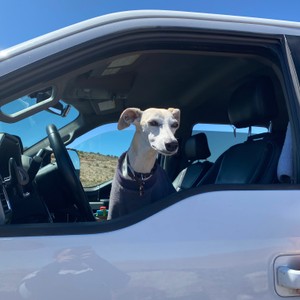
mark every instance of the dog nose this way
{"type": "Point", "coordinates": [172, 146]}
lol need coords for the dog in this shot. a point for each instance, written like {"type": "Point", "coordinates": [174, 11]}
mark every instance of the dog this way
{"type": "Point", "coordinates": [139, 180]}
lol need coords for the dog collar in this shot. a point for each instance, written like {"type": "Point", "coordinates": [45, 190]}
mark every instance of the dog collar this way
{"type": "Point", "coordinates": [139, 177]}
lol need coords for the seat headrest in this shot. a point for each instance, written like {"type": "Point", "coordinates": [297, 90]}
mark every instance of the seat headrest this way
{"type": "Point", "coordinates": [196, 147]}
{"type": "Point", "coordinates": [253, 103]}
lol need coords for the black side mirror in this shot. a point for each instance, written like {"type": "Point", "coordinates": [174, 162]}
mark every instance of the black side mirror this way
{"type": "Point", "coordinates": [75, 160]}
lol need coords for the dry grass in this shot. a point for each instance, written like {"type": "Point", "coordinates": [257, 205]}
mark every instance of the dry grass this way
{"type": "Point", "coordinates": [96, 168]}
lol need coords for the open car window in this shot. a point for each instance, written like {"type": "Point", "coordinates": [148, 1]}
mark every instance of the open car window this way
{"type": "Point", "coordinates": [99, 76]}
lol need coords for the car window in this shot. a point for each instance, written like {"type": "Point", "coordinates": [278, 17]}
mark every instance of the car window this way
{"type": "Point", "coordinates": [221, 137]}
{"type": "Point", "coordinates": [99, 150]}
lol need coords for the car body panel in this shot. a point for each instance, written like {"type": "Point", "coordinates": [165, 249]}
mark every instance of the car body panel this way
{"type": "Point", "coordinates": [161, 257]}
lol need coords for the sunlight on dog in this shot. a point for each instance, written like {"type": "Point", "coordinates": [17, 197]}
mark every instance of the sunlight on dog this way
{"type": "Point", "coordinates": [139, 180]}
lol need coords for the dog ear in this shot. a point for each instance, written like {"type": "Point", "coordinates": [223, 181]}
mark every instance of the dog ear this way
{"type": "Point", "coordinates": [176, 113]}
{"type": "Point", "coordinates": [129, 116]}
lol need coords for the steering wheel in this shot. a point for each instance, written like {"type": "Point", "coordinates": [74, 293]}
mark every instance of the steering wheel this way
{"type": "Point", "coordinates": [68, 172]}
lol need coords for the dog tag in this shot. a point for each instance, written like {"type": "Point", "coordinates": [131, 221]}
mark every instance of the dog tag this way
{"type": "Point", "coordinates": [142, 189]}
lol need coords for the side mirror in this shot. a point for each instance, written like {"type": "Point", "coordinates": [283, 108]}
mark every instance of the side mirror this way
{"type": "Point", "coordinates": [75, 160]}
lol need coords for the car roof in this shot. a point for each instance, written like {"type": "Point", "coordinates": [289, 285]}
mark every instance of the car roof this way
{"type": "Point", "coordinates": [177, 18]}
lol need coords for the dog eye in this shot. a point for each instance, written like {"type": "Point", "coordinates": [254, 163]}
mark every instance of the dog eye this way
{"type": "Point", "coordinates": [153, 123]}
{"type": "Point", "coordinates": [175, 125]}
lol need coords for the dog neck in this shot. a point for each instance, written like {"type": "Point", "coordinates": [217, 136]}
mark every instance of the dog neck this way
{"type": "Point", "coordinates": [141, 156]}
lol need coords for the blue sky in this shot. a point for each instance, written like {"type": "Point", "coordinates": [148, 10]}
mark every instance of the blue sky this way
{"type": "Point", "coordinates": [21, 20]}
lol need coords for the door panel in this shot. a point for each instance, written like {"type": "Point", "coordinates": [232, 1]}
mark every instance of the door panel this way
{"type": "Point", "coordinates": [217, 245]}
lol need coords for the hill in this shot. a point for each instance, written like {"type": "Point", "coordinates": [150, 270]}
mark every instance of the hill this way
{"type": "Point", "coordinates": [96, 168]}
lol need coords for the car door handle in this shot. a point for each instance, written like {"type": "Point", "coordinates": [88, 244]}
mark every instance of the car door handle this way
{"type": "Point", "coordinates": [288, 278]}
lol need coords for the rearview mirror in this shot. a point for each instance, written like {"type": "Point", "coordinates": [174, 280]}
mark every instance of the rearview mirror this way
{"type": "Point", "coordinates": [59, 109]}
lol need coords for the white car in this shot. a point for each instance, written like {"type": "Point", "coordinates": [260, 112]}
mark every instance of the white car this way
{"type": "Point", "coordinates": [232, 228]}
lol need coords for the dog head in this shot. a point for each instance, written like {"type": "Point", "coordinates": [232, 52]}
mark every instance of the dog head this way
{"type": "Point", "coordinates": [156, 127]}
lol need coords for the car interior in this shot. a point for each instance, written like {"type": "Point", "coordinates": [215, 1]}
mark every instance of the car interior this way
{"type": "Point", "coordinates": [212, 83]}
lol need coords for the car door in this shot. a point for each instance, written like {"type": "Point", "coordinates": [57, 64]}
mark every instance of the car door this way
{"type": "Point", "coordinates": [212, 242]}
{"type": "Point", "coordinates": [190, 250]}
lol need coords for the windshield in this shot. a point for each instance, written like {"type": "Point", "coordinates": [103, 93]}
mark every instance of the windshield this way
{"type": "Point", "coordinates": [33, 128]}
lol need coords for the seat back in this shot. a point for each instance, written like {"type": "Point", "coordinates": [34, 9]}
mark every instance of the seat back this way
{"type": "Point", "coordinates": [254, 161]}
{"type": "Point", "coordinates": [10, 146]}
{"type": "Point", "coordinates": [285, 163]}
{"type": "Point", "coordinates": [196, 150]}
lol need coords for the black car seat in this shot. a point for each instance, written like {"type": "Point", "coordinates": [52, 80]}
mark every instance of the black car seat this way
{"type": "Point", "coordinates": [196, 150]}
{"type": "Point", "coordinates": [10, 147]}
{"type": "Point", "coordinates": [254, 161]}
{"type": "Point", "coordinates": [16, 181]}
{"type": "Point", "coordinates": [285, 163]}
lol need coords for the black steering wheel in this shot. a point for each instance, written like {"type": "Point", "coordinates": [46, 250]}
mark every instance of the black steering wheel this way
{"type": "Point", "coordinates": [68, 172]}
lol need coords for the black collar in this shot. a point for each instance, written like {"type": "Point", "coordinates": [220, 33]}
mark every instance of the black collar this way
{"type": "Point", "coordinates": [139, 177]}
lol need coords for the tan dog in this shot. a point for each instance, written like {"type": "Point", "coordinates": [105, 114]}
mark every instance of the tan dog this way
{"type": "Point", "coordinates": [139, 180]}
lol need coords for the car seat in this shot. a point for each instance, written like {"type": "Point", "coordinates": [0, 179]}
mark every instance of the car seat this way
{"type": "Point", "coordinates": [10, 147]}
{"type": "Point", "coordinates": [254, 161]}
{"type": "Point", "coordinates": [19, 190]}
{"type": "Point", "coordinates": [197, 151]}
{"type": "Point", "coordinates": [285, 163]}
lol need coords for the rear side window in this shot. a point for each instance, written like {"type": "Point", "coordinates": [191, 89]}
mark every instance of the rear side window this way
{"type": "Point", "coordinates": [221, 137]}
